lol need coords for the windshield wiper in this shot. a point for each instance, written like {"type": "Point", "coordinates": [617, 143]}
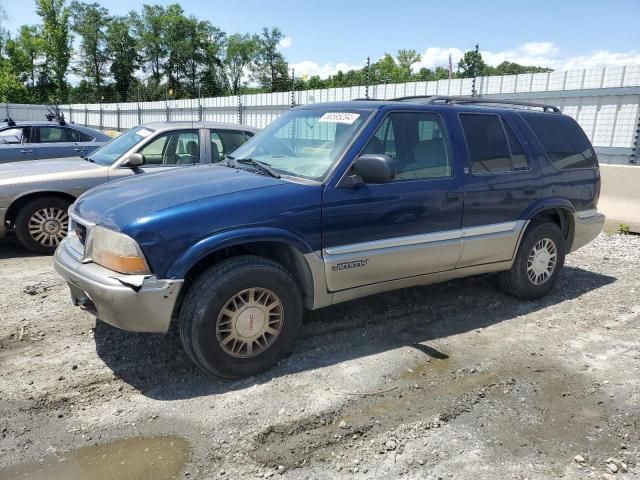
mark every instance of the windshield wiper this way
{"type": "Point", "coordinates": [261, 166]}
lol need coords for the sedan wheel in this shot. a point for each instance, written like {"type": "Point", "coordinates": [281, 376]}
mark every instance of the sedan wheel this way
{"type": "Point", "coordinates": [42, 224]}
{"type": "Point", "coordinates": [48, 226]}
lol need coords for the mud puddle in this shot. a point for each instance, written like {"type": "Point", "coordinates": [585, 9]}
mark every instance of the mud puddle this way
{"type": "Point", "coordinates": [160, 458]}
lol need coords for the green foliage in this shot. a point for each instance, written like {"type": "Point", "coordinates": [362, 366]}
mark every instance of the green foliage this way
{"type": "Point", "coordinates": [624, 229]}
{"type": "Point", "coordinates": [242, 54]}
{"type": "Point", "coordinates": [90, 22]}
{"type": "Point", "coordinates": [179, 55]}
{"type": "Point", "coordinates": [271, 69]}
{"type": "Point", "coordinates": [57, 40]}
{"type": "Point", "coordinates": [11, 88]}
{"type": "Point", "coordinates": [122, 48]}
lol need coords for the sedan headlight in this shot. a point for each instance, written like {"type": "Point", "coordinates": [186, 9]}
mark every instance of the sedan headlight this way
{"type": "Point", "coordinates": [116, 251]}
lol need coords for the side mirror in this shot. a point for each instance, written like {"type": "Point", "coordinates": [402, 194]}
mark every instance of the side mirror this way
{"type": "Point", "coordinates": [134, 160]}
{"type": "Point", "coordinates": [373, 168]}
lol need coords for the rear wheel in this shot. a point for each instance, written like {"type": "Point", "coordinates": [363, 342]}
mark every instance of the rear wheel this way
{"type": "Point", "coordinates": [42, 223]}
{"type": "Point", "coordinates": [240, 317]}
{"type": "Point", "coordinates": [538, 263]}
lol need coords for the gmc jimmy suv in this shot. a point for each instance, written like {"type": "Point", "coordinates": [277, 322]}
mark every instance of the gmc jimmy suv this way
{"type": "Point", "coordinates": [329, 203]}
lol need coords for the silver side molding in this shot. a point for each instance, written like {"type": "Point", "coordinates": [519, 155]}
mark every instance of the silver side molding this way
{"type": "Point", "coordinates": [351, 271]}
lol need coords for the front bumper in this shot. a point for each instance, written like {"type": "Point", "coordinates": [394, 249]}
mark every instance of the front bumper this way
{"type": "Point", "coordinates": [587, 226]}
{"type": "Point", "coordinates": [3, 214]}
{"type": "Point", "coordinates": [129, 302]}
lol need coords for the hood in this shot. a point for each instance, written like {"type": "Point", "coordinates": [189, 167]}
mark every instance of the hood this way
{"type": "Point", "coordinates": [35, 170]}
{"type": "Point", "coordinates": [119, 203]}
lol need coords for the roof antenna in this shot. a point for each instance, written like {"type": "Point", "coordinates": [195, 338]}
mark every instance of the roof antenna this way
{"type": "Point", "coordinates": [10, 122]}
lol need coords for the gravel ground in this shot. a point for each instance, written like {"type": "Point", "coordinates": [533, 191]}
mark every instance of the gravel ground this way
{"type": "Point", "coordinates": [455, 380]}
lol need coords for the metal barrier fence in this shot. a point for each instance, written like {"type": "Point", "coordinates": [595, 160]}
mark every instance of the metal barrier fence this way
{"type": "Point", "coordinates": [605, 101]}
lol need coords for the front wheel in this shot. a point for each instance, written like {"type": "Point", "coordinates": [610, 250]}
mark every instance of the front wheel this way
{"type": "Point", "coordinates": [240, 317]}
{"type": "Point", "coordinates": [42, 223]}
{"type": "Point", "coordinates": [538, 263]}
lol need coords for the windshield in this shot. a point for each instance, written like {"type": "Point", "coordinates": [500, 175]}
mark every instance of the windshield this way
{"type": "Point", "coordinates": [305, 143]}
{"type": "Point", "coordinates": [114, 149]}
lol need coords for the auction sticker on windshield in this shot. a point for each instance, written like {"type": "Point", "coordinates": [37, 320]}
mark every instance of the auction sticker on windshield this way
{"type": "Point", "coordinates": [143, 132]}
{"type": "Point", "coordinates": [339, 117]}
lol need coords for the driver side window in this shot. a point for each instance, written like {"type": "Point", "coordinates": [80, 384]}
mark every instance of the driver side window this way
{"type": "Point", "coordinates": [173, 148]}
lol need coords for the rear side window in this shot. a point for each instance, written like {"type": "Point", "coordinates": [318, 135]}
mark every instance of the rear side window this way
{"type": "Point", "coordinates": [493, 148]}
{"type": "Point", "coordinates": [565, 143]}
{"type": "Point", "coordinates": [78, 136]}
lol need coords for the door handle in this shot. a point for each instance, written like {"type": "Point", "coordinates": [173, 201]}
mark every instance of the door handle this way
{"type": "Point", "coordinates": [529, 190]}
{"type": "Point", "coordinates": [78, 149]}
{"type": "Point", "coordinates": [26, 150]}
{"type": "Point", "coordinates": [452, 196]}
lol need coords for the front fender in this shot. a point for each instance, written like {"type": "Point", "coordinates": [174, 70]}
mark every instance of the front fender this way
{"type": "Point", "coordinates": [185, 262]}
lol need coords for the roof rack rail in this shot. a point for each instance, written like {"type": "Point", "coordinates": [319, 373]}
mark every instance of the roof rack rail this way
{"type": "Point", "coordinates": [461, 100]}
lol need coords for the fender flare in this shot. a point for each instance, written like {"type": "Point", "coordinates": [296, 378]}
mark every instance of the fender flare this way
{"type": "Point", "coordinates": [230, 238]}
{"type": "Point", "coordinates": [553, 204]}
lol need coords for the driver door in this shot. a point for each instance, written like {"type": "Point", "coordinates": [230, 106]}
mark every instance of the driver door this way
{"type": "Point", "coordinates": [410, 226]}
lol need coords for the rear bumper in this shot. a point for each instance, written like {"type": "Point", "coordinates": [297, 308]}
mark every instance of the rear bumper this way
{"type": "Point", "coordinates": [587, 226]}
{"type": "Point", "coordinates": [129, 302]}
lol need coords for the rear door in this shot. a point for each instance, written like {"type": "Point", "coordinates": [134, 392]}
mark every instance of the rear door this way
{"type": "Point", "coordinates": [408, 227]}
{"type": "Point", "coordinates": [15, 144]}
{"type": "Point", "coordinates": [223, 142]}
{"type": "Point", "coordinates": [500, 182]}
{"type": "Point", "coordinates": [83, 143]}
{"type": "Point", "coordinates": [54, 141]}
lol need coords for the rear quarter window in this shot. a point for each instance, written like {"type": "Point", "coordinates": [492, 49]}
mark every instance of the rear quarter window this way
{"type": "Point", "coordinates": [565, 143]}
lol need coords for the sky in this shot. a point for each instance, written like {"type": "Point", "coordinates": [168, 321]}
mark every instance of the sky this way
{"type": "Point", "coordinates": [325, 36]}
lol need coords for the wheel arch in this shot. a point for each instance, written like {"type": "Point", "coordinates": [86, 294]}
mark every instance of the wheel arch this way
{"type": "Point", "coordinates": [19, 202]}
{"type": "Point", "coordinates": [557, 211]}
{"type": "Point", "coordinates": [283, 248]}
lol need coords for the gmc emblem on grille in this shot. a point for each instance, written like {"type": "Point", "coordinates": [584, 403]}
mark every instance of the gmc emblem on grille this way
{"type": "Point", "coordinates": [347, 265]}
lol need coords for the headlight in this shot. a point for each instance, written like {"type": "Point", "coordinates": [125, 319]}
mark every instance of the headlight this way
{"type": "Point", "coordinates": [116, 251]}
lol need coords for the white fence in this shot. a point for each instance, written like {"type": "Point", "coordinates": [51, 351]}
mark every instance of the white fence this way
{"type": "Point", "coordinates": [605, 101]}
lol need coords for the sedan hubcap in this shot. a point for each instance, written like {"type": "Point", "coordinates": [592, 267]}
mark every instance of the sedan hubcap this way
{"type": "Point", "coordinates": [48, 226]}
{"type": "Point", "coordinates": [249, 322]}
{"type": "Point", "coordinates": [542, 261]}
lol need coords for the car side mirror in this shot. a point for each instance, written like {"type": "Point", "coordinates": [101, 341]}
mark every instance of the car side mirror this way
{"type": "Point", "coordinates": [134, 160]}
{"type": "Point", "coordinates": [372, 168]}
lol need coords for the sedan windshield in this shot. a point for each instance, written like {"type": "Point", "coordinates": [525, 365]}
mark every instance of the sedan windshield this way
{"type": "Point", "coordinates": [114, 149]}
{"type": "Point", "coordinates": [305, 143]}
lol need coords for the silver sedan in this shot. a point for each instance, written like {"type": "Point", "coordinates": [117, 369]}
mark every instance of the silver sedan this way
{"type": "Point", "coordinates": [35, 195]}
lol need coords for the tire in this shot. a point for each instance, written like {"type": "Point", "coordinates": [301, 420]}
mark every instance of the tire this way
{"type": "Point", "coordinates": [220, 336]}
{"type": "Point", "coordinates": [42, 223]}
{"type": "Point", "coordinates": [528, 281]}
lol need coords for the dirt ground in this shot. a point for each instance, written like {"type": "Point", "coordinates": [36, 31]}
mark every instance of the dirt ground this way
{"type": "Point", "coordinates": [455, 380]}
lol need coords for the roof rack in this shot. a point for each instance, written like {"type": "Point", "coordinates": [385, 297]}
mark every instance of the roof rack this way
{"type": "Point", "coordinates": [462, 100]}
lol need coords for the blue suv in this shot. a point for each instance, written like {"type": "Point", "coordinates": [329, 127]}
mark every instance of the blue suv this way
{"type": "Point", "coordinates": [329, 203]}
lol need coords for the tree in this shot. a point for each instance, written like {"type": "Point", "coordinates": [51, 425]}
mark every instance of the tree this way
{"type": "Point", "coordinates": [213, 75]}
{"type": "Point", "coordinates": [90, 22]}
{"type": "Point", "coordinates": [272, 70]}
{"type": "Point", "coordinates": [57, 40]}
{"type": "Point", "coordinates": [122, 48]}
{"type": "Point", "coordinates": [25, 52]}
{"type": "Point", "coordinates": [150, 28]}
{"type": "Point", "coordinates": [509, 68]}
{"type": "Point", "coordinates": [242, 50]}
{"type": "Point", "coordinates": [406, 60]}
{"type": "Point", "coordinates": [472, 65]}
{"type": "Point", "coordinates": [11, 88]}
